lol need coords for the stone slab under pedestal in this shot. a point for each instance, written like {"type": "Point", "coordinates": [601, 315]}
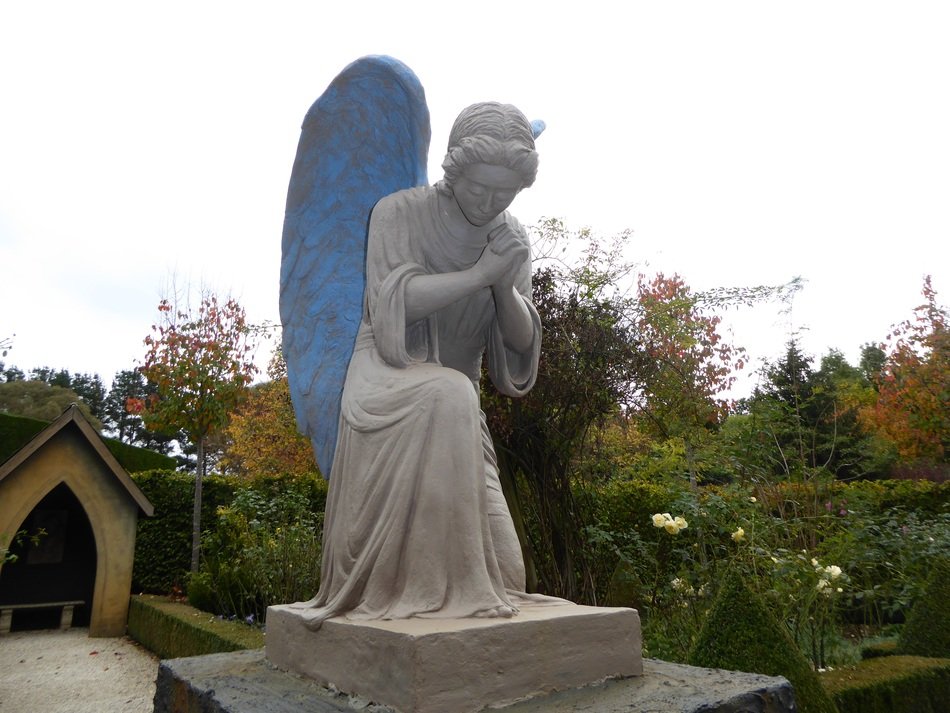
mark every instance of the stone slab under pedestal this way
{"type": "Point", "coordinates": [459, 665]}
{"type": "Point", "coordinates": [244, 682]}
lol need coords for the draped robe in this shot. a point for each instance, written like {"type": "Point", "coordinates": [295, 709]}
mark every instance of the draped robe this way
{"type": "Point", "coordinates": [416, 524]}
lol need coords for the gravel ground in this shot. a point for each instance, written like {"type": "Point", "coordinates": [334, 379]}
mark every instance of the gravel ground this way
{"type": "Point", "coordinates": [68, 672]}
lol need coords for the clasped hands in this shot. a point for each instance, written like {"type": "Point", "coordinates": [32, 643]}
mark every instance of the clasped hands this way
{"type": "Point", "coordinates": [503, 257]}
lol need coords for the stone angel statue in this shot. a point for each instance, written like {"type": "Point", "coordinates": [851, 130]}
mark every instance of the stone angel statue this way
{"type": "Point", "coordinates": [392, 293]}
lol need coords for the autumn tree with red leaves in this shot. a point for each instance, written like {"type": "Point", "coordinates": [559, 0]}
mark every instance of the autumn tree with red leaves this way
{"type": "Point", "coordinates": [914, 384]}
{"type": "Point", "coordinates": [681, 394]}
{"type": "Point", "coordinates": [201, 364]}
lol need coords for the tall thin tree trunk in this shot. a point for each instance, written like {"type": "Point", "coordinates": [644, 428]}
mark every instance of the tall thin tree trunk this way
{"type": "Point", "coordinates": [509, 489]}
{"type": "Point", "coordinates": [196, 513]}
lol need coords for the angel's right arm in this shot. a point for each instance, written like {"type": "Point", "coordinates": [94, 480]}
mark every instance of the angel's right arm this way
{"type": "Point", "coordinates": [426, 294]}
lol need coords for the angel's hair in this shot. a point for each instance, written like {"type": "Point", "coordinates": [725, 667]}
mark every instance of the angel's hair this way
{"type": "Point", "coordinates": [492, 133]}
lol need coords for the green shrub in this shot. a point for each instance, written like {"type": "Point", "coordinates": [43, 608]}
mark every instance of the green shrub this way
{"type": "Point", "coordinates": [740, 634]}
{"type": "Point", "coordinates": [264, 549]}
{"type": "Point", "coordinates": [895, 684]}
{"type": "Point", "coordinates": [888, 555]}
{"type": "Point", "coordinates": [631, 503]}
{"type": "Point", "coordinates": [927, 631]}
{"type": "Point", "coordinates": [172, 629]}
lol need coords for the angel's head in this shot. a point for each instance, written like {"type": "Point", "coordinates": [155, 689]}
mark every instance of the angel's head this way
{"type": "Point", "coordinates": [490, 134]}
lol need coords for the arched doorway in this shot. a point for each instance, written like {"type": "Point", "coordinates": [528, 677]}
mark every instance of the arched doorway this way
{"type": "Point", "coordinates": [61, 566]}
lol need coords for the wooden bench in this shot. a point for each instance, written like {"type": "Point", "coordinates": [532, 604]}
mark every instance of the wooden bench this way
{"type": "Point", "coordinates": [65, 621]}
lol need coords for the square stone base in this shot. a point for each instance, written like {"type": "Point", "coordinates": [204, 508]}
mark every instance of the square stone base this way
{"type": "Point", "coordinates": [459, 665]}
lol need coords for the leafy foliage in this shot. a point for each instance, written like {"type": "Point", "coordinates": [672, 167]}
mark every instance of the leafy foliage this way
{"type": "Point", "coordinates": [914, 384]}
{"type": "Point", "coordinates": [263, 440]}
{"type": "Point", "coordinates": [130, 386]}
{"type": "Point", "coordinates": [802, 423]}
{"type": "Point", "coordinates": [888, 555]}
{"type": "Point", "coordinates": [588, 355]}
{"type": "Point", "coordinates": [200, 364]}
{"type": "Point", "coordinates": [691, 365]}
{"type": "Point", "coordinates": [265, 549]}
{"type": "Point", "coordinates": [88, 387]}
{"type": "Point", "coordinates": [652, 367]}
{"type": "Point", "coordinates": [41, 401]}
{"type": "Point", "coordinates": [10, 546]}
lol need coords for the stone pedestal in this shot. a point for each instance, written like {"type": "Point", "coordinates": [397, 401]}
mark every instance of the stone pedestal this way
{"type": "Point", "coordinates": [460, 665]}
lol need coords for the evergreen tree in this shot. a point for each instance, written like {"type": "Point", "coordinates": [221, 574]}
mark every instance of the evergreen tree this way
{"type": "Point", "coordinates": [130, 386]}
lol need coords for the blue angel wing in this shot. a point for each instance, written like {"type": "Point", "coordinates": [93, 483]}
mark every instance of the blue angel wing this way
{"type": "Point", "coordinates": [367, 136]}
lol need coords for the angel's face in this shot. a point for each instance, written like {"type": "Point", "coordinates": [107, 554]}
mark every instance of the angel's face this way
{"type": "Point", "coordinates": [483, 191]}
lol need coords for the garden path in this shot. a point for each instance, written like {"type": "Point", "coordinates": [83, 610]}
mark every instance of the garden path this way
{"type": "Point", "coordinates": [68, 672]}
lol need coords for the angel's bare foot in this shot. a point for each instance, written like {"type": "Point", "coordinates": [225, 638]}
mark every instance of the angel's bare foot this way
{"type": "Point", "coordinates": [502, 611]}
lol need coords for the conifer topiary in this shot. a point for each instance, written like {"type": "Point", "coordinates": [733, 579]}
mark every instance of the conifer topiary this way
{"type": "Point", "coordinates": [740, 634]}
{"type": "Point", "coordinates": [927, 630]}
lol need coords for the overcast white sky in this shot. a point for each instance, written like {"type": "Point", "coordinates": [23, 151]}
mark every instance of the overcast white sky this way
{"type": "Point", "coordinates": [743, 143]}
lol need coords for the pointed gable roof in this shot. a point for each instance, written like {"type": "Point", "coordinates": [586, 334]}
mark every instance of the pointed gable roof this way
{"type": "Point", "coordinates": [73, 415]}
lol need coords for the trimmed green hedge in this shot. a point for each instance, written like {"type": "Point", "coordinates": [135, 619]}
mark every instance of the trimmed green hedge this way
{"type": "Point", "coordinates": [174, 630]}
{"type": "Point", "coordinates": [892, 684]}
{"type": "Point", "coordinates": [17, 431]}
{"type": "Point", "coordinates": [741, 634]}
{"type": "Point", "coordinates": [135, 459]}
{"type": "Point", "coordinates": [882, 648]}
{"type": "Point", "coordinates": [923, 496]}
{"type": "Point", "coordinates": [163, 542]}
{"type": "Point", "coordinates": [927, 631]}
{"type": "Point", "coordinates": [625, 502]}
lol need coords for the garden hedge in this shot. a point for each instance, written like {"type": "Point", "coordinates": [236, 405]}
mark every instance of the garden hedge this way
{"type": "Point", "coordinates": [923, 496]}
{"type": "Point", "coordinates": [17, 431]}
{"type": "Point", "coordinates": [172, 630]}
{"type": "Point", "coordinates": [879, 649]}
{"type": "Point", "coordinates": [740, 634]}
{"type": "Point", "coordinates": [892, 684]}
{"type": "Point", "coordinates": [626, 502]}
{"type": "Point", "coordinates": [135, 460]}
{"type": "Point", "coordinates": [163, 542]}
{"type": "Point", "coordinates": [927, 631]}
